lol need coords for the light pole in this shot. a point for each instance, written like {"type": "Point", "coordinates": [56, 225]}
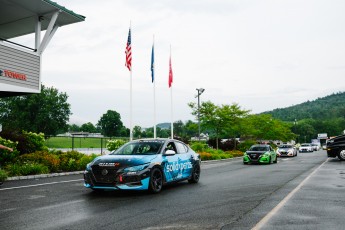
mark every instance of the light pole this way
{"type": "Point", "coordinates": [200, 91]}
{"type": "Point", "coordinates": [295, 129]}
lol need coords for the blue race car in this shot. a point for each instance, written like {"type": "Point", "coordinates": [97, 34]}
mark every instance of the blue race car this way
{"type": "Point", "coordinates": [145, 164]}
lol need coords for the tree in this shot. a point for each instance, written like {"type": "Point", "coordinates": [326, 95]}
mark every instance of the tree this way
{"type": "Point", "coordinates": [73, 128]}
{"type": "Point", "coordinates": [137, 131]}
{"type": "Point", "coordinates": [111, 124]}
{"type": "Point", "coordinates": [264, 127]}
{"type": "Point", "coordinates": [88, 127]}
{"type": "Point", "coordinates": [46, 112]}
{"type": "Point", "coordinates": [191, 128]}
{"type": "Point", "coordinates": [222, 119]}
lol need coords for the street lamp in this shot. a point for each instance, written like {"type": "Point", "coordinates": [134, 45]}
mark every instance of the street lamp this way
{"type": "Point", "coordinates": [200, 91]}
{"type": "Point", "coordinates": [295, 129]}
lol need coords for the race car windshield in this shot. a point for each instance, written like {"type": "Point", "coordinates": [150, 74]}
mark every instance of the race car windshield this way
{"type": "Point", "coordinates": [258, 148]}
{"type": "Point", "coordinates": [140, 148]}
{"type": "Point", "coordinates": [285, 146]}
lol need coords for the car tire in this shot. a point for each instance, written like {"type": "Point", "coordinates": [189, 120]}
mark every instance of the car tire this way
{"type": "Point", "coordinates": [341, 155]}
{"type": "Point", "coordinates": [270, 161]}
{"type": "Point", "coordinates": [156, 180]}
{"type": "Point", "coordinates": [195, 175]}
{"type": "Point", "coordinates": [245, 163]}
{"type": "Point", "coordinates": [276, 160]}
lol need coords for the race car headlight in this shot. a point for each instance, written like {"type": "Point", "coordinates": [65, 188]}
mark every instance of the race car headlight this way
{"type": "Point", "coordinates": [136, 168]}
{"type": "Point", "coordinates": [88, 166]}
{"type": "Point", "coordinates": [290, 151]}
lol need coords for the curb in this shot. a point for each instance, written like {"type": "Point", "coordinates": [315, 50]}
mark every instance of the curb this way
{"type": "Point", "coordinates": [81, 172]}
{"type": "Point", "coordinates": [43, 176]}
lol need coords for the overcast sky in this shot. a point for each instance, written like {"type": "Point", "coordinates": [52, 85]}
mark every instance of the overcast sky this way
{"type": "Point", "coordinates": [262, 55]}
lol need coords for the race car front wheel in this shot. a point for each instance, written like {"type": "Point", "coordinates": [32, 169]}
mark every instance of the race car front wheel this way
{"type": "Point", "coordinates": [341, 155]}
{"type": "Point", "coordinates": [195, 175]}
{"type": "Point", "coordinates": [156, 180]}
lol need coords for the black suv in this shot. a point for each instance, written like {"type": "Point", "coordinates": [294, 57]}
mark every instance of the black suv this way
{"type": "Point", "coordinates": [336, 147]}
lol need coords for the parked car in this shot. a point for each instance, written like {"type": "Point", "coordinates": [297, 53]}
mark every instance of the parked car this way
{"type": "Point", "coordinates": [315, 146]}
{"type": "Point", "coordinates": [306, 147]}
{"type": "Point", "coordinates": [286, 150]}
{"type": "Point", "coordinates": [145, 164]}
{"type": "Point", "coordinates": [336, 147]}
{"type": "Point", "coordinates": [261, 154]}
{"type": "Point", "coordinates": [324, 146]}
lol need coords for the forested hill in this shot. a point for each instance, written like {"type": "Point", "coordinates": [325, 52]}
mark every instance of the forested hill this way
{"type": "Point", "coordinates": [325, 108]}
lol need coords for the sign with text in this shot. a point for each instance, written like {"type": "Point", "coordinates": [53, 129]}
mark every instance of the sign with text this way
{"type": "Point", "coordinates": [322, 136]}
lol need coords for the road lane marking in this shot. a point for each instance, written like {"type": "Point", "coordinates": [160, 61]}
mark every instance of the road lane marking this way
{"type": "Point", "coordinates": [35, 185]}
{"type": "Point", "coordinates": [269, 215]}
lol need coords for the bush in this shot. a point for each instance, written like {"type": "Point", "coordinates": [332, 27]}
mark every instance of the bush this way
{"type": "Point", "coordinates": [27, 142]}
{"type": "Point", "coordinates": [26, 169]}
{"type": "Point", "coordinates": [6, 155]}
{"type": "Point", "coordinates": [85, 160]}
{"type": "Point", "coordinates": [235, 153]}
{"type": "Point", "coordinates": [3, 175]}
{"type": "Point", "coordinates": [199, 146]}
{"type": "Point", "coordinates": [73, 160]}
{"type": "Point", "coordinates": [42, 157]}
{"type": "Point", "coordinates": [115, 144]}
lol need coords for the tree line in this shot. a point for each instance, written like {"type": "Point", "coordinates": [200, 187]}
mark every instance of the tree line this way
{"type": "Point", "coordinates": [308, 119]}
{"type": "Point", "coordinates": [49, 111]}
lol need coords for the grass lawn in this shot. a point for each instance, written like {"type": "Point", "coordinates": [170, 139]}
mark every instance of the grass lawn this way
{"type": "Point", "coordinates": [79, 142]}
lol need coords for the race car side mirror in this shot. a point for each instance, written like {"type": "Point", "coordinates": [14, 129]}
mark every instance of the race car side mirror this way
{"type": "Point", "coordinates": [169, 153]}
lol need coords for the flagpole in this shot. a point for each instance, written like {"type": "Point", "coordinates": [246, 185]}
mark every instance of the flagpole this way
{"type": "Point", "coordinates": [131, 110]}
{"type": "Point", "coordinates": [172, 123]}
{"type": "Point", "coordinates": [154, 91]}
{"type": "Point", "coordinates": [129, 66]}
{"type": "Point", "coordinates": [171, 99]}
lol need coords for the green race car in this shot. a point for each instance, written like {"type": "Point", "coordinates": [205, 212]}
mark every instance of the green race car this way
{"type": "Point", "coordinates": [260, 154]}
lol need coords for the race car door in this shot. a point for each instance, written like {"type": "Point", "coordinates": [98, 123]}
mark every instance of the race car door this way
{"type": "Point", "coordinates": [170, 162]}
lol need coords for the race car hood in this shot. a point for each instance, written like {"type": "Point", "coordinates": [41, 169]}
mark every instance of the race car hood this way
{"type": "Point", "coordinates": [123, 160]}
{"type": "Point", "coordinates": [256, 152]}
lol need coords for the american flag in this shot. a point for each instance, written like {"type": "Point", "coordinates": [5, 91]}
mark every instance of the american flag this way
{"type": "Point", "coordinates": [129, 51]}
{"type": "Point", "coordinates": [170, 73]}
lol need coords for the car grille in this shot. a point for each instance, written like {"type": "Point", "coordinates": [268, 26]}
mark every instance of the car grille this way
{"type": "Point", "coordinates": [106, 175]}
{"type": "Point", "coordinates": [254, 156]}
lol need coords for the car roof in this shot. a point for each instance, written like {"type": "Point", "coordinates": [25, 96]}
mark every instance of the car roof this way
{"type": "Point", "coordinates": [261, 145]}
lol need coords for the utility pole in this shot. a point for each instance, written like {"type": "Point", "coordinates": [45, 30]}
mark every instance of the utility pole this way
{"type": "Point", "coordinates": [200, 91]}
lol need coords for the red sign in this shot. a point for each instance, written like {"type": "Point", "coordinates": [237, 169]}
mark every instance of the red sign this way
{"type": "Point", "coordinates": [12, 74]}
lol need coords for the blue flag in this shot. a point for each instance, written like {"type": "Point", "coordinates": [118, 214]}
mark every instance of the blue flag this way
{"type": "Point", "coordinates": [153, 64]}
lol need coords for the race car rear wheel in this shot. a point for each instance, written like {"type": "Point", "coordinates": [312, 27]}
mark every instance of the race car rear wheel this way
{"type": "Point", "coordinates": [195, 175]}
{"type": "Point", "coordinates": [341, 155]}
{"type": "Point", "coordinates": [156, 180]}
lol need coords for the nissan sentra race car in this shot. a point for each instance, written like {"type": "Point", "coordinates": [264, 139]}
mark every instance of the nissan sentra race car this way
{"type": "Point", "coordinates": [260, 154]}
{"type": "Point", "coordinates": [145, 164]}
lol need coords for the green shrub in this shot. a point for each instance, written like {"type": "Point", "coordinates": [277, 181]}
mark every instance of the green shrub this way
{"type": "Point", "coordinates": [199, 146]}
{"type": "Point", "coordinates": [205, 156]}
{"type": "Point", "coordinates": [42, 157]}
{"type": "Point", "coordinates": [3, 175]}
{"type": "Point", "coordinates": [85, 160]}
{"type": "Point", "coordinates": [236, 153]}
{"type": "Point", "coordinates": [27, 142]}
{"type": "Point", "coordinates": [6, 155]}
{"type": "Point", "coordinates": [35, 141]}
{"type": "Point", "coordinates": [26, 169]}
{"type": "Point", "coordinates": [115, 144]}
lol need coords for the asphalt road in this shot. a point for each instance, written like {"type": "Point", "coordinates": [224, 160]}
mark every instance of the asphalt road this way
{"type": "Point", "coordinates": [304, 192]}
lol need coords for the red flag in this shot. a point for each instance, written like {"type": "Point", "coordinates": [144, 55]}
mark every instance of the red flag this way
{"type": "Point", "coordinates": [129, 51]}
{"type": "Point", "coordinates": [170, 73]}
